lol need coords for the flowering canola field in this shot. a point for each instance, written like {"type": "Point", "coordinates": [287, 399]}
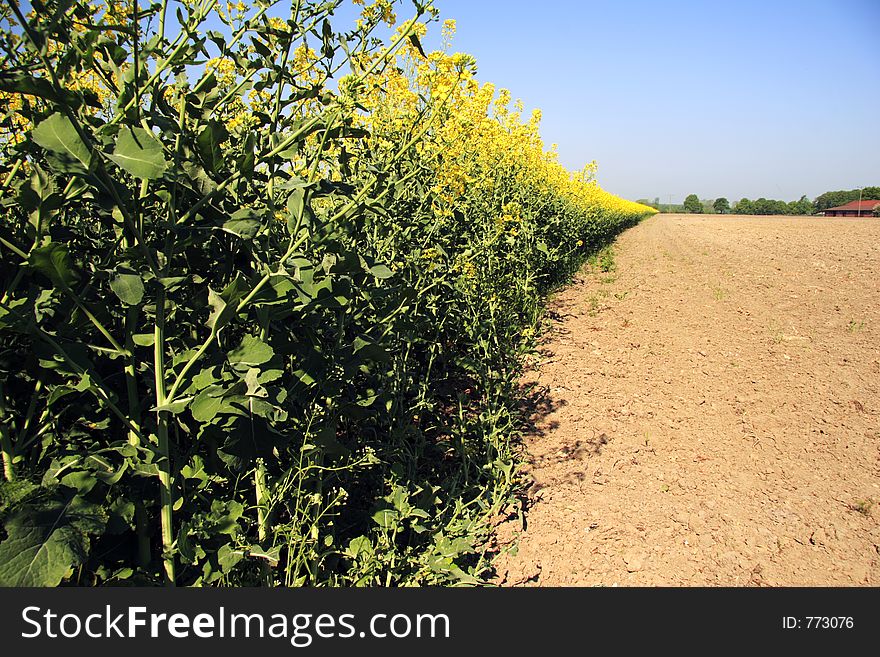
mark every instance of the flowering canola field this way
{"type": "Point", "coordinates": [267, 287]}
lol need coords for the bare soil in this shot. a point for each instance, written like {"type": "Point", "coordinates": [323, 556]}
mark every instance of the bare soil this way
{"type": "Point", "coordinates": [709, 413]}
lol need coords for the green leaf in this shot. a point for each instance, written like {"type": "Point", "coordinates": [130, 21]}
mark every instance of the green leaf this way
{"type": "Point", "coordinates": [176, 406]}
{"type": "Point", "coordinates": [227, 557]}
{"type": "Point", "coordinates": [129, 288]}
{"type": "Point", "coordinates": [381, 271]}
{"type": "Point", "coordinates": [273, 556]}
{"type": "Point", "coordinates": [358, 546]}
{"type": "Point", "coordinates": [144, 339]}
{"type": "Point", "coordinates": [252, 351]}
{"type": "Point", "coordinates": [414, 40]}
{"type": "Point", "coordinates": [54, 262]}
{"type": "Point", "coordinates": [254, 389]}
{"type": "Point", "coordinates": [371, 350]}
{"type": "Point", "coordinates": [139, 153]}
{"type": "Point", "coordinates": [386, 518]}
{"type": "Point", "coordinates": [225, 303]}
{"type": "Point", "coordinates": [225, 516]}
{"type": "Point", "coordinates": [43, 543]}
{"type": "Point", "coordinates": [325, 438]}
{"type": "Point", "coordinates": [82, 480]}
{"type": "Point", "coordinates": [210, 142]}
{"type": "Point", "coordinates": [244, 224]}
{"type": "Point", "coordinates": [41, 87]}
{"type": "Point", "coordinates": [207, 404]}
{"type": "Point", "coordinates": [57, 135]}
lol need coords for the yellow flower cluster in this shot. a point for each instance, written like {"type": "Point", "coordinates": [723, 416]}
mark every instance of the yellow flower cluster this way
{"type": "Point", "coordinates": [108, 12]}
{"type": "Point", "coordinates": [482, 147]}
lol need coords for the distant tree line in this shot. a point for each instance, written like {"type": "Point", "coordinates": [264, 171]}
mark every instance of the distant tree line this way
{"type": "Point", "coordinates": [833, 199]}
{"type": "Point", "coordinates": [695, 205]}
{"type": "Point", "coordinates": [771, 206]}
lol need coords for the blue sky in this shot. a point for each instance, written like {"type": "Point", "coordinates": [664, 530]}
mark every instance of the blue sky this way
{"type": "Point", "coordinates": [740, 98]}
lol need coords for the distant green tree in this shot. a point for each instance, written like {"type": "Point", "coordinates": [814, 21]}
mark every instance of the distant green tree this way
{"type": "Point", "coordinates": [744, 206]}
{"type": "Point", "coordinates": [801, 207]}
{"type": "Point", "coordinates": [841, 197]}
{"type": "Point", "coordinates": [770, 206]}
{"type": "Point", "coordinates": [721, 205]}
{"type": "Point", "coordinates": [831, 199]}
{"type": "Point", "coordinates": [692, 204]}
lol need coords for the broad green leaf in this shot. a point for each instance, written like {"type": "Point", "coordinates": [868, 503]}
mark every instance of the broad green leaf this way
{"type": "Point", "coordinates": [144, 339]}
{"type": "Point", "coordinates": [176, 406]}
{"type": "Point", "coordinates": [244, 224]}
{"type": "Point", "coordinates": [206, 405]}
{"type": "Point", "coordinates": [57, 135]}
{"type": "Point", "coordinates": [358, 546]}
{"type": "Point", "coordinates": [254, 389]}
{"type": "Point", "coordinates": [244, 228]}
{"type": "Point", "coordinates": [381, 271]}
{"type": "Point", "coordinates": [225, 516]}
{"type": "Point", "coordinates": [82, 480]}
{"type": "Point", "coordinates": [54, 262]}
{"type": "Point", "coordinates": [273, 556]}
{"type": "Point", "coordinates": [224, 304]}
{"type": "Point", "coordinates": [228, 557]}
{"type": "Point", "coordinates": [41, 87]}
{"type": "Point", "coordinates": [210, 142]}
{"type": "Point", "coordinates": [221, 312]}
{"type": "Point", "coordinates": [370, 350]}
{"type": "Point", "coordinates": [129, 288]}
{"type": "Point", "coordinates": [386, 518]}
{"type": "Point", "coordinates": [139, 153]}
{"type": "Point", "coordinates": [252, 351]}
{"type": "Point", "coordinates": [43, 543]}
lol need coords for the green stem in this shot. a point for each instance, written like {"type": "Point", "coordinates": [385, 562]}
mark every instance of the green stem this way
{"type": "Point", "coordinates": [21, 254]}
{"type": "Point", "coordinates": [6, 440]}
{"type": "Point", "coordinates": [241, 306]}
{"type": "Point", "coordinates": [134, 413]}
{"type": "Point", "coordinates": [261, 493]}
{"type": "Point", "coordinates": [166, 497]}
{"type": "Point", "coordinates": [94, 320]}
{"type": "Point", "coordinates": [12, 172]}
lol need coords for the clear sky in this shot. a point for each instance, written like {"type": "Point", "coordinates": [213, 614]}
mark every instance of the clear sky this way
{"type": "Point", "coordinates": [740, 98]}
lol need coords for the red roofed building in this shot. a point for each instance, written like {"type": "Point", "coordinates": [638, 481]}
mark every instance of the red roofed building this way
{"type": "Point", "coordinates": [863, 208]}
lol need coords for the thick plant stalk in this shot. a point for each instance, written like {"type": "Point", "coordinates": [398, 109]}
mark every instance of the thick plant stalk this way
{"type": "Point", "coordinates": [6, 448]}
{"type": "Point", "coordinates": [6, 444]}
{"type": "Point", "coordinates": [260, 492]}
{"type": "Point", "coordinates": [262, 499]}
{"type": "Point", "coordinates": [166, 498]}
{"type": "Point", "coordinates": [134, 412]}
{"type": "Point", "coordinates": [6, 439]}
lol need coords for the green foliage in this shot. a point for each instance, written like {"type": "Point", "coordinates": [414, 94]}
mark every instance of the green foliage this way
{"type": "Point", "coordinates": [692, 204]}
{"type": "Point", "coordinates": [803, 206]}
{"type": "Point", "coordinates": [240, 347]}
{"type": "Point", "coordinates": [721, 205]}
{"type": "Point", "coordinates": [744, 206]}
{"type": "Point", "coordinates": [842, 197]}
{"type": "Point", "coordinates": [45, 540]}
{"type": "Point", "coordinates": [765, 206]}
